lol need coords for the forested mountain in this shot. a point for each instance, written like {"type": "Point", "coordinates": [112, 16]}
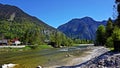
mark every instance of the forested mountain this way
{"type": "Point", "coordinates": [84, 28]}
{"type": "Point", "coordinates": [14, 14]}
{"type": "Point", "coordinates": [15, 23]}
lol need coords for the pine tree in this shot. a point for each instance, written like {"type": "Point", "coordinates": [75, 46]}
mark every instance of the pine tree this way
{"type": "Point", "coordinates": [100, 35]}
{"type": "Point", "coordinates": [109, 28]}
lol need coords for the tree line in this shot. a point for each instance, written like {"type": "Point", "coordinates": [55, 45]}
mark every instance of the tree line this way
{"type": "Point", "coordinates": [109, 35]}
{"type": "Point", "coordinates": [31, 34]}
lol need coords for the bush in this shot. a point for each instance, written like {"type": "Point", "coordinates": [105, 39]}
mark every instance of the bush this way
{"type": "Point", "coordinates": [109, 42]}
{"type": "Point", "coordinates": [29, 47]}
{"type": "Point", "coordinates": [116, 38]}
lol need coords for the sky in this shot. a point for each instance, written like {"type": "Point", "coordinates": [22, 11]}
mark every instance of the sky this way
{"type": "Point", "coordinates": [58, 12]}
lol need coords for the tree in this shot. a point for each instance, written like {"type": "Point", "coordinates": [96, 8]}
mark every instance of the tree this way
{"type": "Point", "coordinates": [109, 42]}
{"type": "Point", "coordinates": [109, 28]}
{"type": "Point", "coordinates": [58, 39]}
{"type": "Point", "coordinates": [100, 35]}
{"type": "Point", "coordinates": [109, 31]}
{"type": "Point", "coordinates": [116, 38]}
{"type": "Point", "coordinates": [117, 21]}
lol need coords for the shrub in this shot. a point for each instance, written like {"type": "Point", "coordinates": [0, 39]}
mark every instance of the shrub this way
{"type": "Point", "coordinates": [109, 42]}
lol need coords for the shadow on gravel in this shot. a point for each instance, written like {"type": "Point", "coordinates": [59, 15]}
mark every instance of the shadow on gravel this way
{"type": "Point", "coordinates": [109, 53]}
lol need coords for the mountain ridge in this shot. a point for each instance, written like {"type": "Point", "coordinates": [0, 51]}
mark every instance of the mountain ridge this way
{"type": "Point", "coordinates": [18, 14]}
{"type": "Point", "coordinates": [15, 23]}
{"type": "Point", "coordinates": [81, 28]}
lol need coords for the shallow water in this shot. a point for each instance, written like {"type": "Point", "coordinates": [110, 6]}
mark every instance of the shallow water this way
{"type": "Point", "coordinates": [45, 57]}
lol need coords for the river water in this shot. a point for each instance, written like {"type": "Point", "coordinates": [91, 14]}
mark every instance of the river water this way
{"type": "Point", "coordinates": [47, 57]}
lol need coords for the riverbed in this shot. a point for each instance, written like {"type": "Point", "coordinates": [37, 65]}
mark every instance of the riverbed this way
{"type": "Point", "coordinates": [46, 57]}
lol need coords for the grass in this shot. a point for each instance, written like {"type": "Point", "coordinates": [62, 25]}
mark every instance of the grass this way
{"type": "Point", "coordinates": [38, 47]}
{"type": "Point", "coordinates": [76, 44]}
{"type": "Point", "coordinates": [111, 48]}
{"type": "Point", "coordinates": [26, 48]}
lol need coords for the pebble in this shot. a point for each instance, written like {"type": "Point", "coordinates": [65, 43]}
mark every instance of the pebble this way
{"type": "Point", "coordinates": [109, 60]}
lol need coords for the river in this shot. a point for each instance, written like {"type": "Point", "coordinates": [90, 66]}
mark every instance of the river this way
{"type": "Point", "coordinates": [46, 57]}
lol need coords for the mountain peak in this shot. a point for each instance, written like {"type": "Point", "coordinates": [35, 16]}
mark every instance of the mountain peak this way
{"type": "Point", "coordinates": [83, 28]}
{"type": "Point", "coordinates": [84, 18]}
{"type": "Point", "coordinates": [87, 19]}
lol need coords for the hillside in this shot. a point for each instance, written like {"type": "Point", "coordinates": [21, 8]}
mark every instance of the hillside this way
{"type": "Point", "coordinates": [83, 28]}
{"type": "Point", "coordinates": [15, 23]}
{"type": "Point", "coordinates": [15, 14]}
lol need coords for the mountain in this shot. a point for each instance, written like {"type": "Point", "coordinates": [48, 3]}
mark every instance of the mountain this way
{"type": "Point", "coordinates": [15, 14]}
{"type": "Point", "coordinates": [84, 28]}
{"type": "Point", "coordinates": [15, 23]}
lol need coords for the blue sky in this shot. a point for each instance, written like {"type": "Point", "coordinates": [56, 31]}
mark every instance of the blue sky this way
{"type": "Point", "coordinates": [58, 12]}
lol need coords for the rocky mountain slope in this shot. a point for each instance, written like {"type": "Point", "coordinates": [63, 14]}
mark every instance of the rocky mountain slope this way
{"type": "Point", "coordinates": [84, 28]}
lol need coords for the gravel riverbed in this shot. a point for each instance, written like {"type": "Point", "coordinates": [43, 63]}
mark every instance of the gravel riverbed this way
{"type": "Point", "coordinates": [84, 61]}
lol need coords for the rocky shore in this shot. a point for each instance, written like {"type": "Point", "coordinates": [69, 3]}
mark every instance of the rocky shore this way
{"type": "Point", "coordinates": [84, 60]}
{"type": "Point", "coordinates": [107, 60]}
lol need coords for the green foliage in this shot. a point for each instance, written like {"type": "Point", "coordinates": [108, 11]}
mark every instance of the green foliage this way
{"type": "Point", "coordinates": [44, 46]}
{"type": "Point", "coordinates": [34, 36]}
{"type": "Point", "coordinates": [100, 35]}
{"type": "Point", "coordinates": [27, 48]}
{"type": "Point", "coordinates": [60, 39]}
{"type": "Point", "coordinates": [30, 33]}
{"type": "Point", "coordinates": [34, 47]}
{"type": "Point", "coordinates": [116, 34]}
{"type": "Point", "coordinates": [116, 38]}
{"type": "Point", "coordinates": [109, 31]}
{"type": "Point", "coordinates": [27, 32]}
{"type": "Point", "coordinates": [109, 42]}
{"type": "Point", "coordinates": [78, 41]}
{"type": "Point", "coordinates": [112, 32]}
{"type": "Point", "coordinates": [109, 28]}
{"type": "Point", "coordinates": [14, 23]}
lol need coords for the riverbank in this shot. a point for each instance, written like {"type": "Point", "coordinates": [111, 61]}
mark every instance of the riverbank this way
{"type": "Point", "coordinates": [109, 59]}
{"type": "Point", "coordinates": [88, 55]}
{"type": "Point", "coordinates": [21, 46]}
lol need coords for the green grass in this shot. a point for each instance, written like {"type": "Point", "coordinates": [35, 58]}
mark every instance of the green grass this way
{"type": "Point", "coordinates": [111, 48]}
{"type": "Point", "coordinates": [26, 48]}
{"type": "Point", "coordinates": [76, 44]}
{"type": "Point", "coordinates": [44, 46]}
{"type": "Point", "coordinates": [38, 47]}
